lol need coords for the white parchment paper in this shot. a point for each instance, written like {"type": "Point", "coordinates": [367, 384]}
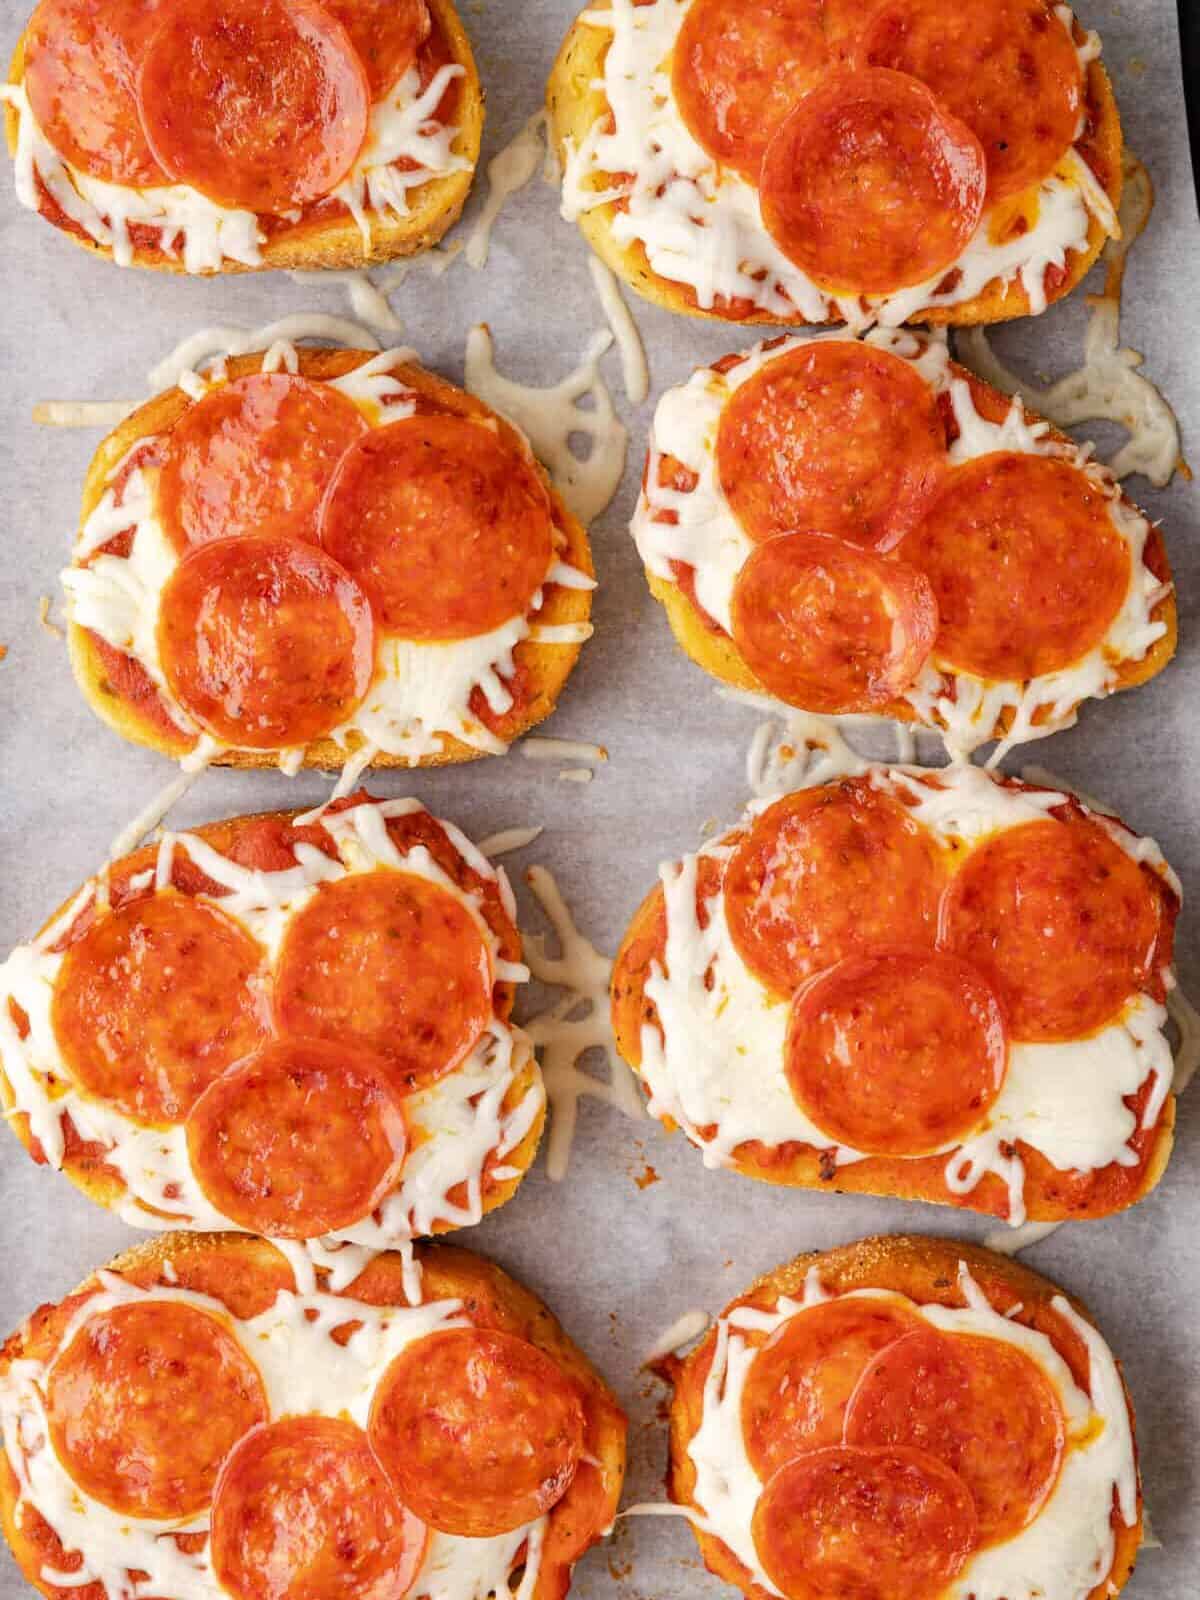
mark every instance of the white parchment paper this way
{"type": "Point", "coordinates": [617, 1261]}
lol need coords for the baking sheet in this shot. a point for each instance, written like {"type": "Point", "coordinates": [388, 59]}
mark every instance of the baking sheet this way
{"type": "Point", "coordinates": [617, 1261]}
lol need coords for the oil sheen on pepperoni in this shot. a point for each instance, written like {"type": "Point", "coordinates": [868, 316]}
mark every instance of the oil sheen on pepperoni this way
{"type": "Point", "coordinates": [386, 33]}
{"type": "Point", "coordinates": [393, 962]}
{"type": "Point", "coordinates": [829, 626]}
{"type": "Point", "coordinates": [1027, 565]}
{"type": "Point", "coordinates": [834, 437]}
{"type": "Point", "coordinates": [254, 456]}
{"type": "Point", "coordinates": [81, 59]}
{"type": "Point", "coordinates": [800, 1382]}
{"type": "Point", "coordinates": [1065, 925]}
{"type": "Point", "coordinates": [146, 1402]}
{"type": "Point", "coordinates": [981, 1406]}
{"type": "Point", "coordinates": [479, 1430]}
{"type": "Point", "coordinates": [300, 1139]}
{"type": "Point", "coordinates": [303, 1511]}
{"type": "Point", "coordinates": [870, 185]}
{"type": "Point", "coordinates": [891, 1524]}
{"type": "Point", "coordinates": [825, 873]}
{"type": "Point", "coordinates": [1009, 69]}
{"type": "Point", "coordinates": [259, 104]}
{"type": "Point", "coordinates": [896, 1054]}
{"type": "Point", "coordinates": [267, 642]}
{"type": "Point", "coordinates": [154, 1002]}
{"type": "Point", "coordinates": [444, 523]}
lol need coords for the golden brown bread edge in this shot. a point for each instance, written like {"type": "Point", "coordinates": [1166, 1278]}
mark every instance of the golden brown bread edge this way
{"type": "Point", "coordinates": [575, 99]}
{"type": "Point", "coordinates": [546, 667]}
{"type": "Point", "coordinates": [926, 1271]}
{"type": "Point", "coordinates": [85, 1165]}
{"type": "Point", "coordinates": [336, 243]}
{"type": "Point", "coordinates": [489, 1294]}
{"type": "Point", "coordinates": [719, 656]}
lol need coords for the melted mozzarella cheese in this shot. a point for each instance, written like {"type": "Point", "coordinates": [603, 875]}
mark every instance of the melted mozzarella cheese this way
{"type": "Point", "coordinates": [473, 1116]}
{"type": "Point", "coordinates": [703, 532]}
{"type": "Point", "coordinates": [701, 225]}
{"type": "Point", "coordinates": [1062, 1555]}
{"type": "Point", "coordinates": [714, 1062]}
{"type": "Point", "coordinates": [304, 1370]}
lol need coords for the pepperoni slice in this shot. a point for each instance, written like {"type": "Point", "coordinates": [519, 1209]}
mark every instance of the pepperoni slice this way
{"type": "Point", "coordinates": [825, 873]}
{"type": "Point", "coordinates": [480, 1430]}
{"type": "Point", "coordinates": [303, 1511]}
{"type": "Point", "coordinates": [738, 70]}
{"type": "Point", "coordinates": [981, 1406]}
{"type": "Point", "coordinates": [1061, 921]}
{"type": "Point", "coordinates": [392, 961]}
{"type": "Point", "coordinates": [387, 35]}
{"type": "Point", "coordinates": [80, 67]}
{"type": "Point", "coordinates": [834, 437]}
{"type": "Point", "coordinates": [301, 1139]}
{"type": "Point", "coordinates": [869, 186]}
{"type": "Point", "coordinates": [146, 1402]}
{"type": "Point", "coordinates": [896, 1054]}
{"type": "Point", "coordinates": [154, 1002]}
{"type": "Point", "coordinates": [255, 456]}
{"type": "Point", "coordinates": [444, 523]}
{"type": "Point", "coordinates": [869, 1524]}
{"type": "Point", "coordinates": [800, 1383]}
{"type": "Point", "coordinates": [1028, 568]}
{"type": "Point", "coordinates": [830, 627]}
{"type": "Point", "coordinates": [1007, 68]}
{"type": "Point", "coordinates": [261, 104]}
{"type": "Point", "coordinates": [266, 642]}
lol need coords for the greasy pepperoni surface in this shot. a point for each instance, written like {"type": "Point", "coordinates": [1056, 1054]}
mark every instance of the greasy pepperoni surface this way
{"type": "Point", "coordinates": [1028, 568]}
{"type": "Point", "coordinates": [835, 437]}
{"type": "Point", "coordinates": [386, 33]}
{"type": "Point", "coordinates": [303, 1511]}
{"type": "Point", "coordinates": [300, 1139]}
{"type": "Point", "coordinates": [797, 1389]}
{"type": "Point", "coordinates": [828, 872]}
{"type": "Point", "coordinates": [896, 1054]}
{"type": "Point", "coordinates": [394, 962]}
{"type": "Point", "coordinates": [828, 626]}
{"type": "Point", "coordinates": [146, 1402]}
{"type": "Point", "coordinates": [81, 61]}
{"type": "Point", "coordinates": [870, 186]}
{"type": "Point", "coordinates": [444, 523]}
{"type": "Point", "coordinates": [259, 104]}
{"type": "Point", "coordinates": [479, 1430]}
{"type": "Point", "coordinates": [980, 1405]}
{"type": "Point", "coordinates": [856, 1524]}
{"type": "Point", "coordinates": [254, 456]}
{"type": "Point", "coordinates": [155, 1001]}
{"type": "Point", "coordinates": [266, 642]}
{"type": "Point", "coordinates": [1062, 922]}
{"type": "Point", "coordinates": [1007, 68]}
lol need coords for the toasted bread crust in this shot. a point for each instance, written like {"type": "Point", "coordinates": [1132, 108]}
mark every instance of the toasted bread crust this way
{"type": "Point", "coordinates": [544, 668]}
{"type": "Point", "coordinates": [925, 1270]}
{"type": "Point", "coordinates": [575, 100]}
{"type": "Point", "coordinates": [713, 649]}
{"type": "Point", "coordinates": [250, 1270]}
{"type": "Point", "coordinates": [85, 1164]}
{"type": "Point", "coordinates": [335, 243]}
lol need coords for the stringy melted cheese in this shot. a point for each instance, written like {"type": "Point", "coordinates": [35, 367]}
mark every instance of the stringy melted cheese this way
{"type": "Point", "coordinates": [303, 1370]}
{"type": "Point", "coordinates": [458, 1125]}
{"type": "Point", "coordinates": [421, 690]}
{"type": "Point", "coordinates": [714, 1063]}
{"type": "Point", "coordinates": [202, 235]}
{"type": "Point", "coordinates": [1064, 1552]}
{"type": "Point", "coordinates": [701, 225]}
{"type": "Point", "coordinates": [968, 710]}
